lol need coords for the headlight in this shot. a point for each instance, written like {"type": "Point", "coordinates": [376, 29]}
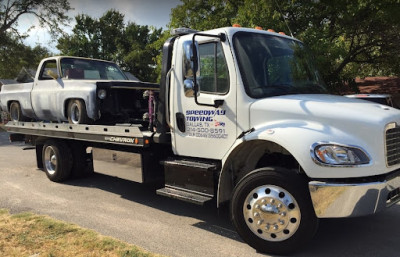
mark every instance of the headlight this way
{"type": "Point", "coordinates": [338, 155]}
{"type": "Point", "coordinates": [101, 94]}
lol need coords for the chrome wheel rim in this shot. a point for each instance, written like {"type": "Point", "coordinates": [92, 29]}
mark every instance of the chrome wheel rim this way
{"type": "Point", "coordinates": [271, 213]}
{"type": "Point", "coordinates": [50, 160]}
{"type": "Point", "coordinates": [75, 113]}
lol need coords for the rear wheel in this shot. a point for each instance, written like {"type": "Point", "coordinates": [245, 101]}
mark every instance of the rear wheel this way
{"type": "Point", "coordinates": [77, 113]}
{"type": "Point", "coordinates": [57, 160]}
{"type": "Point", "coordinates": [272, 211]}
{"type": "Point", "coordinates": [16, 112]}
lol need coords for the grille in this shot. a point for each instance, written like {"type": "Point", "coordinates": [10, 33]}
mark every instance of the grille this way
{"type": "Point", "coordinates": [393, 146]}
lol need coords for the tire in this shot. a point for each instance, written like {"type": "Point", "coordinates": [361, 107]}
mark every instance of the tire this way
{"type": "Point", "coordinates": [16, 112]}
{"type": "Point", "coordinates": [77, 113]}
{"type": "Point", "coordinates": [271, 210]}
{"type": "Point", "coordinates": [57, 160]}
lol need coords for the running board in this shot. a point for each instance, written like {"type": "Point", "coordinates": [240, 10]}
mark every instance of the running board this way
{"type": "Point", "coordinates": [184, 195]}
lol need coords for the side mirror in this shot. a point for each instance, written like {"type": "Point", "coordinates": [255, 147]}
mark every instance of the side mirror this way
{"type": "Point", "coordinates": [52, 74]}
{"type": "Point", "coordinates": [188, 86]}
{"type": "Point", "coordinates": [189, 68]}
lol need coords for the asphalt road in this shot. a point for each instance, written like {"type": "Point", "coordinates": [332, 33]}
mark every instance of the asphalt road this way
{"type": "Point", "coordinates": [117, 207]}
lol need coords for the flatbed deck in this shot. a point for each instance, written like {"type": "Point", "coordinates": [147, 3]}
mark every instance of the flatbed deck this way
{"type": "Point", "coordinates": [121, 134]}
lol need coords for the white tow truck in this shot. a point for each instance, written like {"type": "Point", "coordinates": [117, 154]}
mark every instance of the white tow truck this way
{"type": "Point", "coordinates": [241, 116]}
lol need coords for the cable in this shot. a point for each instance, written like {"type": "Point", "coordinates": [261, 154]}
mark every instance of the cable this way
{"type": "Point", "coordinates": [284, 19]}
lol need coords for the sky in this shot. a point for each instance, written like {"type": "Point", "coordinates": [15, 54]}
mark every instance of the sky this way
{"type": "Point", "coordinates": [142, 12]}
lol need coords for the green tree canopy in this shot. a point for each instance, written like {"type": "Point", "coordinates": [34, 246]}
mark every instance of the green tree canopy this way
{"type": "Point", "coordinates": [50, 13]}
{"type": "Point", "coordinates": [14, 56]}
{"type": "Point", "coordinates": [348, 37]}
{"type": "Point", "coordinates": [109, 38]}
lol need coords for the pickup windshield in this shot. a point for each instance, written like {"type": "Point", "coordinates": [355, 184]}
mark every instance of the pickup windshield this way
{"type": "Point", "coordinates": [73, 68]}
{"type": "Point", "coordinates": [273, 65]}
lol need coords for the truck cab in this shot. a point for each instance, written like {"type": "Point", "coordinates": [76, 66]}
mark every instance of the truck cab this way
{"type": "Point", "coordinates": [253, 101]}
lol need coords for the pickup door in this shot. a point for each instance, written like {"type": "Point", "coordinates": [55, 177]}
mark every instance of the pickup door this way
{"type": "Point", "coordinates": [44, 104]}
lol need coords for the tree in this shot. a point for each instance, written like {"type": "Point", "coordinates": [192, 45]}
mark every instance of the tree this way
{"type": "Point", "coordinates": [138, 52]}
{"type": "Point", "coordinates": [205, 14]}
{"type": "Point", "coordinates": [21, 57]}
{"type": "Point", "coordinates": [50, 13]}
{"type": "Point", "coordinates": [348, 37]}
{"type": "Point", "coordinates": [131, 46]}
{"type": "Point", "coordinates": [94, 38]}
{"type": "Point", "coordinates": [14, 55]}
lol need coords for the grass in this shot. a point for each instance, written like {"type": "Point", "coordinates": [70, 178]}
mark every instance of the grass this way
{"type": "Point", "coordinates": [28, 234]}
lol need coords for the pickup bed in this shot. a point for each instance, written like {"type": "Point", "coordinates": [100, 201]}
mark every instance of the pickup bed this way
{"type": "Point", "coordinates": [78, 90]}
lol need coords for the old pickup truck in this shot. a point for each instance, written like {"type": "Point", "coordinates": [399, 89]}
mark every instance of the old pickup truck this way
{"type": "Point", "coordinates": [77, 90]}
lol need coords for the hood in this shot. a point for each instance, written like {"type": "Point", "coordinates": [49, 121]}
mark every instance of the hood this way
{"type": "Point", "coordinates": [124, 84]}
{"type": "Point", "coordinates": [299, 121]}
{"type": "Point", "coordinates": [326, 109]}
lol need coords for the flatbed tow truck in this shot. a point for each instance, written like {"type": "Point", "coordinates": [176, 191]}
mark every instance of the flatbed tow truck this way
{"type": "Point", "coordinates": [241, 116]}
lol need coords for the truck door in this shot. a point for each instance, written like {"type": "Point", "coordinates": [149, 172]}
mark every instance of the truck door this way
{"type": "Point", "coordinates": [45, 91]}
{"type": "Point", "coordinates": [204, 131]}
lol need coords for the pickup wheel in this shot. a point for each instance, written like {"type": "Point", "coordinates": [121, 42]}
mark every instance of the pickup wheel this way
{"type": "Point", "coordinates": [57, 160]}
{"type": "Point", "coordinates": [272, 211]}
{"type": "Point", "coordinates": [77, 113]}
{"type": "Point", "coordinates": [16, 113]}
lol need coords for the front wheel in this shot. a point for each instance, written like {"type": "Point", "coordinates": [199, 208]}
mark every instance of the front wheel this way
{"type": "Point", "coordinates": [272, 211]}
{"type": "Point", "coordinates": [77, 113]}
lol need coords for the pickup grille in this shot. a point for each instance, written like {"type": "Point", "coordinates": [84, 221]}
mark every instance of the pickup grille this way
{"type": "Point", "coordinates": [393, 146]}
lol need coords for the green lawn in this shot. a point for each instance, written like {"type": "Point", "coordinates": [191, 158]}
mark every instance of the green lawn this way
{"type": "Point", "coordinates": [28, 234]}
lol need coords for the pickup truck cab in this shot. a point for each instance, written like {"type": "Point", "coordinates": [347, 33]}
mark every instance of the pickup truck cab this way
{"type": "Point", "coordinates": [78, 90]}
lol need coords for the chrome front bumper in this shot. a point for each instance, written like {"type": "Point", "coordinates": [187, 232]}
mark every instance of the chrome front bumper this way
{"type": "Point", "coordinates": [335, 200]}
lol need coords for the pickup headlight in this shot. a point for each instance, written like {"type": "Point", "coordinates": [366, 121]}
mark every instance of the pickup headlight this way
{"type": "Point", "coordinates": [331, 154]}
{"type": "Point", "coordinates": [102, 94]}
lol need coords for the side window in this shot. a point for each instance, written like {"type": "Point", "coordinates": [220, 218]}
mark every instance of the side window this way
{"type": "Point", "coordinates": [214, 76]}
{"type": "Point", "coordinates": [49, 65]}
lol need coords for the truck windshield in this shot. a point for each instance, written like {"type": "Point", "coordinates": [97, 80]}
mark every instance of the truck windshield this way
{"type": "Point", "coordinates": [272, 65]}
{"type": "Point", "coordinates": [74, 68]}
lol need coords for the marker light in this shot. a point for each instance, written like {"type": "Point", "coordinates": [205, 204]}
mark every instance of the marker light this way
{"type": "Point", "coordinates": [271, 30]}
{"type": "Point", "coordinates": [236, 25]}
{"type": "Point", "coordinates": [259, 28]}
{"type": "Point", "coordinates": [282, 33]}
